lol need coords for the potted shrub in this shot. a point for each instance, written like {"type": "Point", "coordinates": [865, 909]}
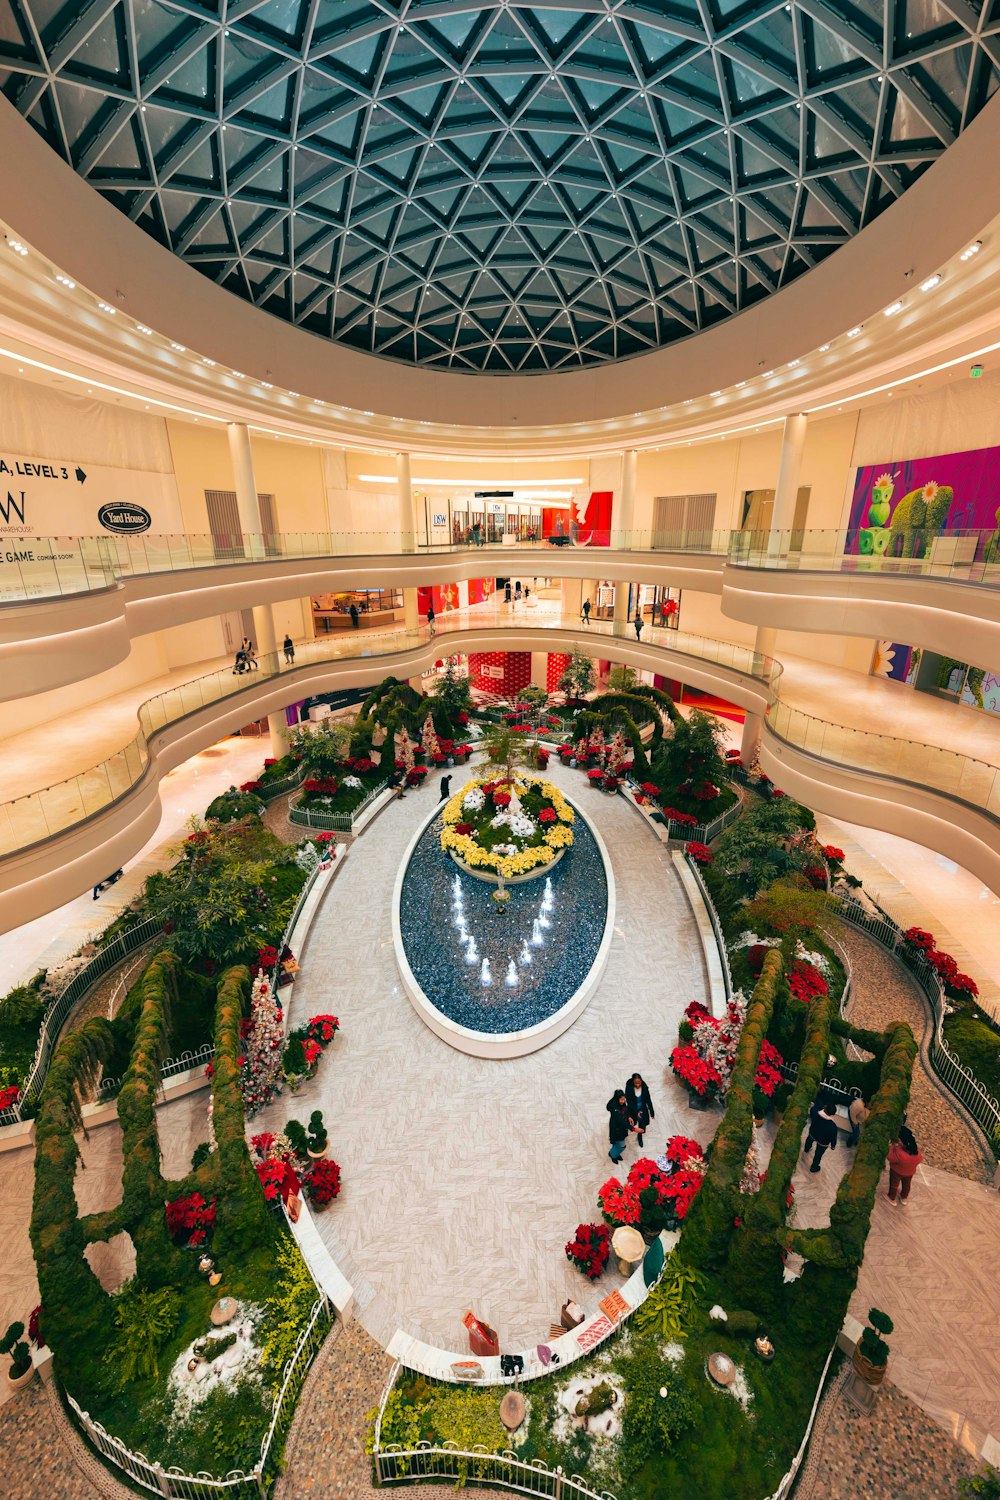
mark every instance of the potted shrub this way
{"type": "Point", "coordinates": [21, 1370]}
{"type": "Point", "coordinates": [316, 1137]}
{"type": "Point", "coordinates": [871, 1354]}
{"type": "Point", "coordinates": [297, 1138]}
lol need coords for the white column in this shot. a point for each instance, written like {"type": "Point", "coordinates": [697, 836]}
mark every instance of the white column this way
{"type": "Point", "coordinates": [786, 491]}
{"type": "Point", "coordinates": [250, 521]}
{"type": "Point", "coordinates": [625, 527]}
{"type": "Point", "coordinates": [539, 669]}
{"type": "Point", "coordinates": [404, 491]}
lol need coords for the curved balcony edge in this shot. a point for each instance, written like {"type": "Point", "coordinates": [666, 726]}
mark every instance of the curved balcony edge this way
{"type": "Point", "coordinates": [55, 869]}
{"type": "Point", "coordinates": [937, 820]}
{"type": "Point", "coordinates": [956, 619]}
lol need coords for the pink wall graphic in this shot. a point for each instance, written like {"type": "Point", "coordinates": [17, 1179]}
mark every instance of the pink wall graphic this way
{"type": "Point", "coordinates": [900, 506]}
{"type": "Point", "coordinates": [502, 672]}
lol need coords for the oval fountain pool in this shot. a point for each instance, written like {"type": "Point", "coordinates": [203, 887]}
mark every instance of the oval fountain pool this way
{"type": "Point", "coordinates": [502, 985]}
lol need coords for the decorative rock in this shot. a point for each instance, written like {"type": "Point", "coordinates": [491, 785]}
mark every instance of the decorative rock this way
{"type": "Point", "coordinates": [512, 1410]}
{"type": "Point", "coordinates": [224, 1311]}
{"type": "Point", "coordinates": [721, 1369]}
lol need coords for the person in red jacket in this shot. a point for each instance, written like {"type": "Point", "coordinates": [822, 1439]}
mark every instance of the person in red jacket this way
{"type": "Point", "coordinates": [904, 1159]}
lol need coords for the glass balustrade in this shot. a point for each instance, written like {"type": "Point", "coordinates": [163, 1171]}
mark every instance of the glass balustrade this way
{"type": "Point", "coordinates": [40, 815]}
{"type": "Point", "coordinates": [37, 568]}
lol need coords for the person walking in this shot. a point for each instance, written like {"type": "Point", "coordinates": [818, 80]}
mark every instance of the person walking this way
{"type": "Point", "coordinates": [506, 592]}
{"type": "Point", "coordinates": [430, 618]}
{"type": "Point", "coordinates": [477, 533]}
{"type": "Point", "coordinates": [517, 592]}
{"type": "Point", "coordinates": [355, 617]}
{"type": "Point", "coordinates": [638, 622]}
{"type": "Point", "coordinates": [857, 1113]}
{"type": "Point", "coordinates": [619, 1124]}
{"type": "Point", "coordinates": [242, 663]}
{"type": "Point", "coordinates": [445, 788]}
{"type": "Point", "coordinates": [640, 1105]}
{"type": "Point", "coordinates": [288, 646]}
{"type": "Point", "coordinates": [586, 612]}
{"type": "Point", "coordinates": [904, 1159]}
{"type": "Point", "coordinates": [527, 591]}
{"type": "Point", "coordinates": [822, 1132]}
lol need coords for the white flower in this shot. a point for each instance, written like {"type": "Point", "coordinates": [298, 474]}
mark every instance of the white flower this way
{"type": "Point", "coordinates": [352, 781]}
{"type": "Point", "coordinates": [522, 826]}
{"type": "Point", "coordinates": [475, 800]}
{"type": "Point", "coordinates": [719, 1314]}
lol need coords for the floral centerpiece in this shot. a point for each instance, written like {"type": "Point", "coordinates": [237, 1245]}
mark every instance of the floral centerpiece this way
{"type": "Point", "coordinates": [589, 1249]}
{"type": "Point", "coordinates": [507, 828]}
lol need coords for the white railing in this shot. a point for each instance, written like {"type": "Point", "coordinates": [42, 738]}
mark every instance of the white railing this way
{"type": "Point", "coordinates": [789, 1478]}
{"type": "Point", "coordinates": [958, 1079]}
{"type": "Point", "coordinates": [477, 1466]}
{"type": "Point", "coordinates": [285, 942]}
{"type": "Point", "coordinates": [184, 1062]}
{"type": "Point", "coordinates": [704, 833]}
{"type": "Point", "coordinates": [237, 1484]}
{"type": "Point", "coordinates": [713, 915]}
{"type": "Point", "coordinates": [59, 1010]}
{"type": "Point", "coordinates": [330, 822]}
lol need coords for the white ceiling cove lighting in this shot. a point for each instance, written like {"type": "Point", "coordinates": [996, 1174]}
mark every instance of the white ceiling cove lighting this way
{"type": "Point", "coordinates": [17, 247]}
{"type": "Point", "coordinates": [852, 333]}
{"type": "Point", "coordinates": [931, 282]}
{"type": "Point", "coordinates": [972, 250]}
{"type": "Point", "coordinates": [893, 308]}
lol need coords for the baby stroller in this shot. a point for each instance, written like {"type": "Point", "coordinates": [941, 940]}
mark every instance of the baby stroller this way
{"type": "Point", "coordinates": [241, 664]}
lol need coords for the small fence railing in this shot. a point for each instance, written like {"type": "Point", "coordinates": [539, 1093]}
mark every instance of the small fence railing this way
{"type": "Point", "coordinates": [957, 1078]}
{"type": "Point", "coordinates": [331, 822]}
{"type": "Point", "coordinates": [477, 1466]}
{"type": "Point", "coordinates": [59, 1010]}
{"type": "Point", "coordinates": [720, 941]}
{"type": "Point", "coordinates": [184, 1062]}
{"type": "Point", "coordinates": [238, 1484]}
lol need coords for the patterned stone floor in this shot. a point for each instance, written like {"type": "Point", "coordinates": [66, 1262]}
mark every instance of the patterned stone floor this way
{"type": "Point", "coordinates": [460, 1175]}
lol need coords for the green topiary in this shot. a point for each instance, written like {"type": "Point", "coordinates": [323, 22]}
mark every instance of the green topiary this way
{"type": "Point", "coordinates": [13, 1344]}
{"type": "Point", "coordinates": [873, 1346]}
{"type": "Point", "coordinates": [316, 1135]}
{"type": "Point", "coordinates": [297, 1138]}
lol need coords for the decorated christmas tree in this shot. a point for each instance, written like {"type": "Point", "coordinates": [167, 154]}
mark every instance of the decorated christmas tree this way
{"type": "Point", "coordinates": [262, 1046]}
{"type": "Point", "coordinates": [750, 1181]}
{"type": "Point", "coordinates": [617, 753]}
{"type": "Point", "coordinates": [428, 739]}
{"type": "Point", "coordinates": [405, 751]}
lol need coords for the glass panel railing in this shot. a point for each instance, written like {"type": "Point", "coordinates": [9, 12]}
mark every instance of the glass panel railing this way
{"type": "Point", "coordinates": [27, 820]}
{"type": "Point", "coordinates": [971, 556]}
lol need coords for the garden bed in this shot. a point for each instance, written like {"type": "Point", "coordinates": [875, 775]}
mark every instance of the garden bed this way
{"type": "Point", "coordinates": [507, 828]}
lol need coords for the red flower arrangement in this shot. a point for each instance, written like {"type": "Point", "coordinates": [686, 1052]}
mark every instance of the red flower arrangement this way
{"type": "Point", "coordinates": [270, 761]}
{"type": "Point", "coordinates": [684, 820]}
{"type": "Point", "coordinates": [768, 1075]}
{"type": "Point", "coordinates": [595, 775]}
{"type": "Point", "coordinates": [734, 757]}
{"type": "Point", "coordinates": [589, 1249]}
{"type": "Point", "coordinates": [416, 776]}
{"type": "Point", "coordinates": [251, 786]}
{"type": "Point", "coordinates": [679, 1192]}
{"type": "Point", "coordinates": [700, 853]}
{"type": "Point", "coordinates": [438, 759]}
{"type": "Point", "coordinates": [917, 937]}
{"type": "Point", "coordinates": [681, 1148]}
{"type": "Point", "coordinates": [619, 1204]}
{"type": "Point", "coordinates": [706, 792]}
{"type": "Point", "coordinates": [267, 957]}
{"type": "Point", "coordinates": [272, 1175]}
{"type": "Point", "coordinates": [262, 1143]}
{"type": "Point", "coordinates": [364, 763]}
{"type": "Point", "coordinates": [311, 1051]}
{"type": "Point", "coordinates": [323, 1029]}
{"type": "Point", "coordinates": [963, 984]}
{"type": "Point", "coordinates": [944, 966]}
{"type": "Point", "coordinates": [832, 854]}
{"type": "Point", "coordinates": [806, 982]}
{"type": "Point", "coordinates": [776, 794]}
{"type": "Point", "coordinates": [501, 799]}
{"type": "Point", "coordinates": [694, 1072]}
{"type": "Point", "coordinates": [547, 815]}
{"type": "Point", "coordinates": [463, 750]}
{"type": "Point", "coordinates": [650, 789]}
{"type": "Point", "coordinates": [199, 836]}
{"type": "Point", "coordinates": [323, 1183]}
{"type": "Point", "coordinates": [326, 838]}
{"type": "Point", "coordinates": [464, 828]}
{"type": "Point", "coordinates": [566, 751]}
{"type": "Point", "coordinates": [326, 785]}
{"type": "Point", "coordinates": [461, 717]}
{"type": "Point", "coordinates": [9, 1096]}
{"type": "Point", "coordinates": [816, 876]}
{"type": "Point", "coordinates": [189, 1219]}
{"type": "Point", "coordinates": [34, 1327]}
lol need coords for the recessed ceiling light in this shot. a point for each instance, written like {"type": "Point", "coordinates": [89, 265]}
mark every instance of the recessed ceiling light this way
{"type": "Point", "coordinates": [852, 333]}
{"type": "Point", "coordinates": [267, 385]}
{"type": "Point", "coordinates": [894, 307]}
{"type": "Point", "coordinates": [143, 328]}
{"type": "Point", "coordinates": [65, 280]}
{"type": "Point", "coordinates": [768, 373]}
{"type": "Point", "coordinates": [206, 361]}
{"type": "Point", "coordinates": [823, 348]}
{"type": "Point", "coordinates": [973, 249]}
{"type": "Point", "coordinates": [793, 362]}
{"type": "Point", "coordinates": [716, 393]}
{"type": "Point", "coordinates": [17, 247]}
{"type": "Point", "coordinates": [106, 307]}
{"type": "Point", "coordinates": [931, 282]}
{"type": "Point", "coordinates": [239, 375]}
{"type": "Point", "coordinates": [181, 348]}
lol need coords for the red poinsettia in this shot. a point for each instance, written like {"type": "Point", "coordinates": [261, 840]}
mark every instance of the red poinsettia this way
{"type": "Point", "coordinates": [651, 789]}
{"type": "Point", "coordinates": [695, 1072]}
{"type": "Point", "coordinates": [596, 774]}
{"type": "Point", "coordinates": [547, 815]}
{"type": "Point", "coordinates": [816, 876]}
{"type": "Point", "coordinates": [700, 853]}
{"type": "Point", "coordinates": [831, 853]}
{"type": "Point", "coordinates": [679, 1191]}
{"type": "Point", "coordinates": [681, 1148]}
{"type": "Point", "coordinates": [416, 776]}
{"type": "Point", "coordinates": [589, 1249]}
{"type": "Point", "coordinates": [188, 1219]}
{"type": "Point", "coordinates": [685, 820]}
{"type": "Point", "coordinates": [323, 1183]}
{"type": "Point", "coordinates": [619, 1204]}
{"type": "Point", "coordinates": [501, 799]}
{"type": "Point", "coordinates": [768, 1076]}
{"type": "Point", "coordinates": [270, 761]}
{"type": "Point", "coordinates": [805, 981]}
{"type": "Point", "coordinates": [323, 1029]}
{"type": "Point", "coordinates": [364, 763]}
{"type": "Point", "coordinates": [963, 984]}
{"type": "Point", "coordinates": [250, 786]}
{"type": "Point", "coordinates": [943, 964]}
{"type": "Point", "coordinates": [918, 937]}
{"type": "Point", "coordinates": [272, 1175]}
{"type": "Point", "coordinates": [9, 1096]}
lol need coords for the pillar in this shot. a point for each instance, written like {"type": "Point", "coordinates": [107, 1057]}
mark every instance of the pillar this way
{"type": "Point", "coordinates": [404, 491]}
{"type": "Point", "coordinates": [624, 530]}
{"type": "Point", "coordinates": [540, 669]}
{"type": "Point", "coordinates": [750, 741]}
{"type": "Point", "coordinates": [786, 494]}
{"type": "Point", "coordinates": [252, 526]}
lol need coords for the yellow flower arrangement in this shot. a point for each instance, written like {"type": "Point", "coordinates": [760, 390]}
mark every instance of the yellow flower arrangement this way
{"type": "Point", "coordinates": [557, 836]}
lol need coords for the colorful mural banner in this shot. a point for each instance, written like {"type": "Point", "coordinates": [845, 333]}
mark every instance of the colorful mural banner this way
{"type": "Point", "coordinates": [899, 508]}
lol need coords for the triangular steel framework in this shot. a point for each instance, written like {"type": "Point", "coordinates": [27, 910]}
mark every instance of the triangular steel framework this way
{"type": "Point", "coordinates": [493, 186]}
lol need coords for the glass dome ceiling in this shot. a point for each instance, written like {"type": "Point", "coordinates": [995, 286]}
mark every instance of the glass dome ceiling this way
{"type": "Point", "coordinates": [497, 186]}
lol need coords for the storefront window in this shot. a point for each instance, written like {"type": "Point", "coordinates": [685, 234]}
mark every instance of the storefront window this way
{"type": "Point", "coordinates": [333, 611]}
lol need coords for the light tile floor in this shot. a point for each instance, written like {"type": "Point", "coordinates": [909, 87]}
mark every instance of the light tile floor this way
{"type": "Point", "coordinates": [463, 1178]}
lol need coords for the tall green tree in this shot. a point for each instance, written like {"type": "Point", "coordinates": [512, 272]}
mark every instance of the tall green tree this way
{"type": "Point", "coordinates": [504, 750]}
{"type": "Point", "coordinates": [578, 679]}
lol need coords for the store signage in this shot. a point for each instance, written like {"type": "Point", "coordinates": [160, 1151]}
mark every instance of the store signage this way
{"type": "Point", "coordinates": [439, 519]}
{"type": "Point", "coordinates": [62, 498]}
{"type": "Point", "coordinates": [495, 672]}
{"type": "Point", "coordinates": [126, 520]}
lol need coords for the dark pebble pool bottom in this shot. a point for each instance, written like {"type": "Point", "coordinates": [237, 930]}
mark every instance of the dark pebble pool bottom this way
{"type": "Point", "coordinates": [439, 956]}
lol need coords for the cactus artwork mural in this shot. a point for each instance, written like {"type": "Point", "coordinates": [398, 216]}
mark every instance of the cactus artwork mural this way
{"type": "Point", "coordinates": [900, 508]}
{"type": "Point", "coordinates": [874, 538]}
{"type": "Point", "coordinates": [918, 518]}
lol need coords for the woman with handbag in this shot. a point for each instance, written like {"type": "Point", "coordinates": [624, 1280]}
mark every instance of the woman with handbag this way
{"type": "Point", "coordinates": [640, 1105]}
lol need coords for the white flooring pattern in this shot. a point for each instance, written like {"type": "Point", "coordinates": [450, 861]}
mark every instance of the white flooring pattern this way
{"type": "Point", "coordinates": [464, 1178]}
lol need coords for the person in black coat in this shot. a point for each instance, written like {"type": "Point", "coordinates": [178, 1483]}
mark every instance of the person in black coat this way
{"type": "Point", "coordinates": [640, 1105]}
{"type": "Point", "coordinates": [822, 1132]}
{"type": "Point", "coordinates": [619, 1125]}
